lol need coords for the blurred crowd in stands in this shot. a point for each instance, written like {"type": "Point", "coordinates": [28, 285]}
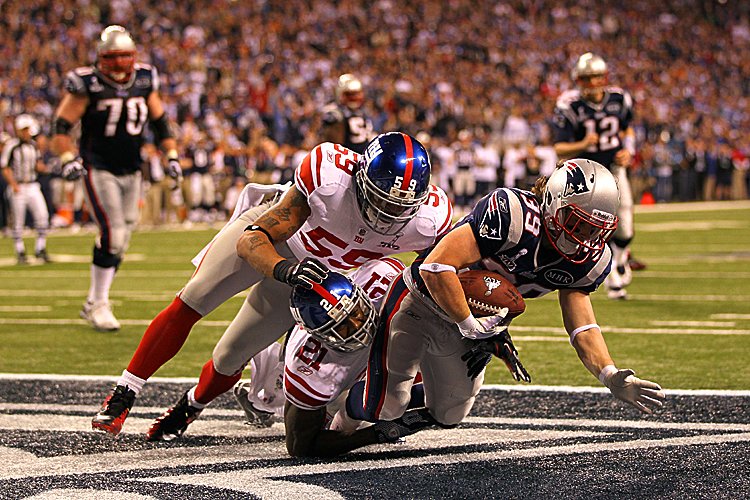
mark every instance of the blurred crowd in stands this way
{"type": "Point", "coordinates": [244, 82]}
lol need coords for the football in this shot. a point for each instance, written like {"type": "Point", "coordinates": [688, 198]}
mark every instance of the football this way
{"type": "Point", "coordinates": [487, 292]}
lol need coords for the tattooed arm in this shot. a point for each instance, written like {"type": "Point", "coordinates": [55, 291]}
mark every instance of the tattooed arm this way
{"type": "Point", "coordinates": [279, 222]}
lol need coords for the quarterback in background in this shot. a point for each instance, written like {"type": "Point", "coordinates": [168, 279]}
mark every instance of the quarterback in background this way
{"type": "Point", "coordinates": [593, 122]}
{"type": "Point", "coordinates": [113, 100]}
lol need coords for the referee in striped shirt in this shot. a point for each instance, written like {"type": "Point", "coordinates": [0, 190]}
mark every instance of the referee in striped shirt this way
{"type": "Point", "coordinates": [19, 161]}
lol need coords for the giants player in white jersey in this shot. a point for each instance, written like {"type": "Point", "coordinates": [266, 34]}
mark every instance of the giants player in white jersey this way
{"type": "Point", "coordinates": [343, 209]}
{"type": "Point", "coordinates": [325, 355]}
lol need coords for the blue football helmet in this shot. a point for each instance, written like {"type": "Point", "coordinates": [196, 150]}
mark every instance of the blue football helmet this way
{"type": "Point", "coordinates": [337, 312]}
{"type": "Point", "coordinates": [392, 182]}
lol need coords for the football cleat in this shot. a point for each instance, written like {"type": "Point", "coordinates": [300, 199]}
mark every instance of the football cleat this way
{"type": "Point", "coordinates": [114, 411]}
{"type": "Point", "coordinates": [22, 259]}
{"type": "Point", "coordinates": [255, 417]}
{"type": "Point", "coordinates": [99, 314]}
{"type": "Point", "coordinates": [393, 431]}
{"type": "Point", "coordinates": [615, 285]}
{"type": "Point", "coordinates": [43, 255]}
{"type": "Point", "coordinates": [173, 422]}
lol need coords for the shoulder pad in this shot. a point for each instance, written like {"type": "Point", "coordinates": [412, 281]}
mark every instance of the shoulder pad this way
{"type": "Point", "coordinates": [439, 202]}
{"type": "Point", "coordinates": [332, 113]}
{"type": "Point", "coordinates": [326, 164]}
{"type": "Point", "coordinates": [74, 82]}
{"type": "Point", "coordinates": [565, 99]}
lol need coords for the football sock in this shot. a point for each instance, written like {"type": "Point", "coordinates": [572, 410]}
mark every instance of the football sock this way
{"type": "Point", "coordinates": [191, 399]}
{"type": "Point", "coordinates": [19, 246]}
{"type": "Point", "coordinates": [101, 282]}
{"type": "Point", "coordinates": [163, 339]}
{"type": "Point", "coordinates": [41, 243]}
{"type": "Point", "coordinates": [212, 384]}
{"type": "Point", "coordinates": [619, 256]}
{"type": "Point", "coordinates": [130, 381]}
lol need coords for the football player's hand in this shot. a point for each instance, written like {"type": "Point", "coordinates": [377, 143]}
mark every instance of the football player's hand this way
{"type": "Point", "coordinates": [174, 170]}
{"type": "Point", "coordinates": [625, 386]}
{"type": "Point", "coordinates": [502, 347]}
{"type": "Point", "coordinates": [484, 327]}
{"type": "Point", "coordinates": [72, 170]}
{"type": "Point", "coordinates": [623, 157]}
{"type": "Point", "coordinates": [591, 139]}
{"type": "Point", "coordinates": [303, 273]}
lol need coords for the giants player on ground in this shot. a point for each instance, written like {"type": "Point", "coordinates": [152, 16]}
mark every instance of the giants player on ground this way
{"type": "Point", "coordinates": [113, 100]}
{"type": "Point", "coordinates": [593, 122]}
{"type": "Point", "coordinates": [551, 239]}
{"type": "Point", "coordinates": [345, 122]}
{"type": "Point", "coordinates": [344, 209]}
{"type": "Point", "coordinates": [324, 356]}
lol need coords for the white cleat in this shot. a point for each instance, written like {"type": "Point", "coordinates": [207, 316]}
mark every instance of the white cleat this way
{"type": "Point", "coordinates": [99, 314]}
{"type": "Point", "coordinates": [620, 294]}
{"type": "Point", "coordinates": [615, 286]}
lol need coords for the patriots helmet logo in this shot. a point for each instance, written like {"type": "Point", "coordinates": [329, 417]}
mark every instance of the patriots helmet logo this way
{"type": "Point", "coordinates": [576, 180]}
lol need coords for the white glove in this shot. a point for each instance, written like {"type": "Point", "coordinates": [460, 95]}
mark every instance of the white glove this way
{"type": "Point", "coordinates": [484, 327]}
{"type": "Point", "coordinates": [174, 170]}
{"type": "Point", "coordinates": [626, 387]}
{"type": "Point", "coordinates": [72, 169]}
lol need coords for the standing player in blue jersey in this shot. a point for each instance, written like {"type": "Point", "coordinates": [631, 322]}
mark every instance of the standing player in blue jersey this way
{"type": "Point", "coordinates": [593, 122]}
{"type": "Point", "coordinates": [113, 100]}
{"type": "Point", "coordinates": [554, 238]}
{"type": "Point", "coordinates": [346, 122]}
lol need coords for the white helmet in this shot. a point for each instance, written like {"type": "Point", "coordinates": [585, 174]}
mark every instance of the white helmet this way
{"type": "Point", "coordinates": [579, 203]}
{"type": "Point", "coordinates": [115, 52]}
{"type": "Point", "coordinates": [590, 66]}
{"type": "Point", "coordinates": [350, 91]}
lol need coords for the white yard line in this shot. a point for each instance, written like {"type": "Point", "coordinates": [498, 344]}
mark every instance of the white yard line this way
{"type": "Point", "coordinates": [699, 206]}
{"type": "Point", "coordinates": [493, 387]}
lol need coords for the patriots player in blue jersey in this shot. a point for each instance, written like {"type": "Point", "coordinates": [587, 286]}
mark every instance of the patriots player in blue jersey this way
{"type": "Point", "coordinates": [113, 100]}
{"type": "Point", "coordinates": [593, 122]}
{"type": "Point", "coordinates": [345, 122]}
{"type": "Point", "coordinates": [554, 238]}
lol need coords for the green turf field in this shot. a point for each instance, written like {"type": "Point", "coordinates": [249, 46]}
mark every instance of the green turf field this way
{"type": "Point", "coordinates": [686, 325]}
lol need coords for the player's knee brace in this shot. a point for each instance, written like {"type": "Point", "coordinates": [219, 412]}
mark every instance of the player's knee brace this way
{"type": "Point", "coordinates": [102, 258]}
{"type": "Point", "coordinates": [621, 242]}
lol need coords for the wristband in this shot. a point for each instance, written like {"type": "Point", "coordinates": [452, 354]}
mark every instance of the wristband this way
{"type": "Point", "coordinates": [606, 371]}
{"type": "Point", "coordinates": [436, 268]}
{"type": "Point", "coordinates": [66, 157]}
{"type": "Point", "coordinates": [582, 329]}
{"type": "Point", "coordinates": [254, 227]}
{"type": "Point", "coordinates": [469, 324]}
{"type": "Point", "coordinates": [628, 142]}
{"type": "Point", "coordinates": [281, 269]}
{"type": "Point", "coordinates": [171, 154]}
